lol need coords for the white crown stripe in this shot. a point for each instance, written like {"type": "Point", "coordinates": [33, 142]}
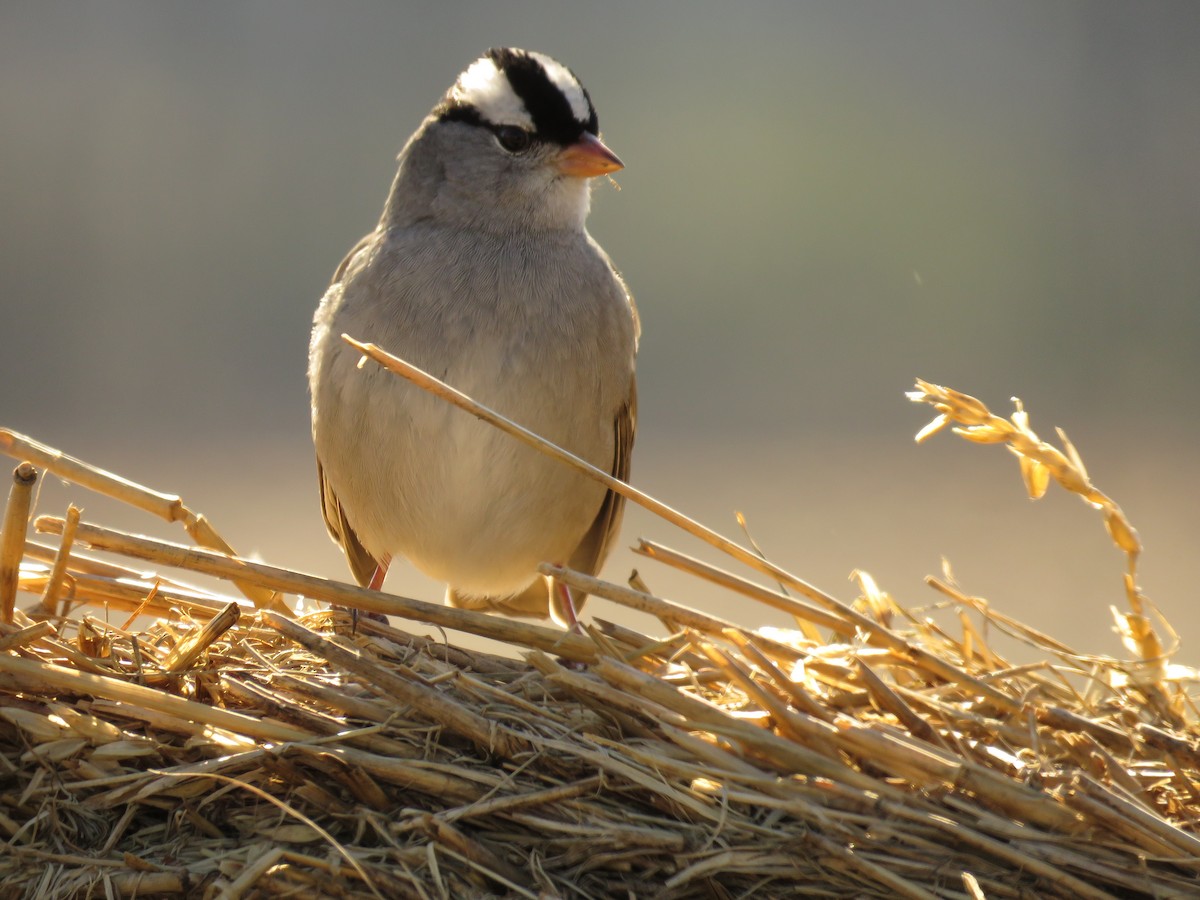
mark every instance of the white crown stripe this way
{"type": "Point", "coordinates": [562, 78]}
{"type": "Point", "coordinates": [486, 88]}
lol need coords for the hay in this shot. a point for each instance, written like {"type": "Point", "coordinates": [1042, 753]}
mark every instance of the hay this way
{"type": "Point", "coordinates": [247, 746]}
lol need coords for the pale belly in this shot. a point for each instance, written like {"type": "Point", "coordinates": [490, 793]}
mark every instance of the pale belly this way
{"type": "Point", "coordinates": [465, 503]}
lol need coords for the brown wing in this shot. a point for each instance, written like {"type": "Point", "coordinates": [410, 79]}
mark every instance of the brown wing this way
{"type": "Point", "coordinates": [362, 563]}
{"type": "Point", "coordinates": [535, 600]}
{"type": "Point", "coordinates": [589, 556]}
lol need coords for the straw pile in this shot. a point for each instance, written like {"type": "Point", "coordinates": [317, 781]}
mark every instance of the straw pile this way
{"type": "Point", "coordinates": [233, 747]}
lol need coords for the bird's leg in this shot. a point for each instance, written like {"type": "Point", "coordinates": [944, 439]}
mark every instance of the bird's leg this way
{"type": "Point", "coordinates": [570, 618]}
{"type": "Point", "coordinates": [375, 584]}
{"type": "Point", "coordinates": [381, 570]}
{"type": "Point", "coordinates": [566, 606]}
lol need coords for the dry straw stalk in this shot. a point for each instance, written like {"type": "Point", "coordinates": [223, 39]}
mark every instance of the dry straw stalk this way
{"type": "Point", "coordinates": [215, 748]}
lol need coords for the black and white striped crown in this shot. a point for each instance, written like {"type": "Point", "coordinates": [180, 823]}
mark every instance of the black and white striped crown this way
{"type": "Point", "coordinates": [510, 87]}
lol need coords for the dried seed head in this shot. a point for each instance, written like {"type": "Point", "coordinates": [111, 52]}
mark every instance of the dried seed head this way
{"type": "Point", "coordinates": [1036, 476]}
{"type": "Point", "coordinates": [967, 409]}
{"type": "Point", "coordinates": [963, 408]}
{"type": "Point", "coordinates": [984, 434]}
{"type": "Point", "coordinates": [932, 428]}
{"type": "Point", "coordinates": [1072, 453]}
{"type": "Point", "coordinates": [1020, 419]}
{"type": "Point", "coordinates": [1123, 534]}
{"type": "Point", "coordinates": [1064, 473]}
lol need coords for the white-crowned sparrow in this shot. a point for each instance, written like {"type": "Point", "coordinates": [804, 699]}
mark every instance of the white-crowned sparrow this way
{"type": "Point", "coordinates": [482, 272]}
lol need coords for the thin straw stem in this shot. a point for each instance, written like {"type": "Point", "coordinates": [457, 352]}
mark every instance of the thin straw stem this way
{"type": "Point", "coordinates": [439, 388]}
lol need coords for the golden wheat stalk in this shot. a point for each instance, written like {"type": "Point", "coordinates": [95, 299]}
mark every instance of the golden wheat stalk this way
{"type": "Point", "coordinates": [1040, 461]}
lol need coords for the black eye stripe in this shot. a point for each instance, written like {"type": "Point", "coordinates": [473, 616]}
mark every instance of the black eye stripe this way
{"type": "Point", "coordinates": [470, 115]}
{"type": "Point", "coordinates": [462, 112]}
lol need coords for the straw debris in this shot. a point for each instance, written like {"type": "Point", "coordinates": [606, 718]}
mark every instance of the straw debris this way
{"type": "Point", "coordinates": [205, 744]}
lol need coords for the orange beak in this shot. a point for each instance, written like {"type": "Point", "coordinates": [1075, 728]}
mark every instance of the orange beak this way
{"type": "Point", "coordinates": [587, 158]}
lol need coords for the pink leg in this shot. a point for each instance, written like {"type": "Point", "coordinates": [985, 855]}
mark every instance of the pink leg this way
{"type": "Point", "coordinates": [381, 570]}
{"type": "Point", "coordinates": [375, 584]}
{"type": "Point", "coordinates": [567, 608]}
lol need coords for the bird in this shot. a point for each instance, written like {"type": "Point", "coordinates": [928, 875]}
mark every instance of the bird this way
{"type": "Point", "coordinates": [482, 272]}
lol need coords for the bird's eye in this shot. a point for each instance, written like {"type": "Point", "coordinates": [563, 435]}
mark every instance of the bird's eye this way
{"type": "Point", "coordinates": [513, 139]}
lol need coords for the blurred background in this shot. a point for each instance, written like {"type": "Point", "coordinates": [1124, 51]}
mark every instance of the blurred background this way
{"type": "Point", "coordinates": [822, 201]}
